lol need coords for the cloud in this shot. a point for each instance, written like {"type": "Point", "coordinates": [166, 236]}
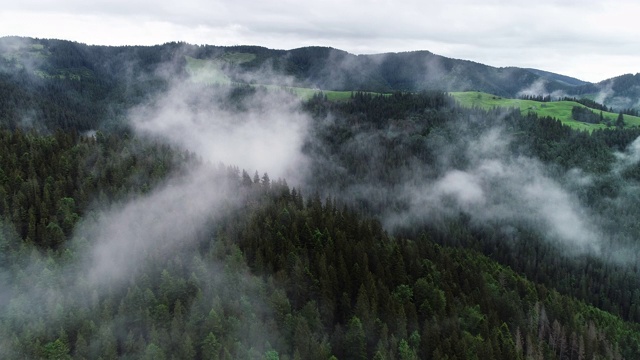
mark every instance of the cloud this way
{"type": "Point", "coordinates": [171, 216]}
{"type": "Point", "coordinates": [112, 247]}
{"type": "Point", "coordinates": [630, 157]}
{"type": "Point", "coordinates": [263, 132]}
{"type": "Point", "coordinates": [117, 250]}
{"type": "Point", "coordinates": [463, 187]}
{"type": "Point", "coordinates": [501, 189]}
{"type": "Point", "coordinates": [468, 167]}
{"type": "Point", "coordinates": [537, 88]}
{"type": "Point", "coordinates": [605, 92]}
{"type": "Point", "coordinates": [257, 130]}
{"type": "Point", "coordinates": [537, 35]}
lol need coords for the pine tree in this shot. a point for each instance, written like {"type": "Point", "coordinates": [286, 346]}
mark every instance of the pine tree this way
{"type": "Point", "coordinates": [620, 121]}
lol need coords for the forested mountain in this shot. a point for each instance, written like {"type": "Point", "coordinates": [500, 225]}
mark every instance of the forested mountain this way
{"type": "Point", "coordinates": [92, 78]}
{"type": "Point", "coordinates": [145, 215]}
{"type": "Point", "coordinates": [621, 92]}
{"type": "Point", "coordinates": [559, 78]}
{"type": "Point", "coordinates": [61, 84]}
{"type": "Point", "coordinates": [280, 276]}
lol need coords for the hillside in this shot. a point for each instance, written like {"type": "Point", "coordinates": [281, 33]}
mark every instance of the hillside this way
{"type": "Point", "coordinates": [560, 110]}
{"type": "Point", "coordinates": [560, 78]}
{"type": "Point", "coordinates": [202, 202]}
{"type": "Point", "coordinates": [277, 274]}
{"type": "Point", "coordinates": [90, 79]}
{"type": "Point", "coordinates": [621, 92]}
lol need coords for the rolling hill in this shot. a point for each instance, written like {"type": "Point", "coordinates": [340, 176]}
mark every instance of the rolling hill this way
{"type": "Point", "coordinates": [105, 71]}
{"type": "Point", "coordinates": [560, 110]}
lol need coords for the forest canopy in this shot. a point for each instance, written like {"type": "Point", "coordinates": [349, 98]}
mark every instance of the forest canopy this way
{"type": "Point", "coordinates": [176, 219]}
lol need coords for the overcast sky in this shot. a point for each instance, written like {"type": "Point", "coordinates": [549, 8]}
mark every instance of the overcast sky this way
{"type": "Point", "coordinates": [587, 39]}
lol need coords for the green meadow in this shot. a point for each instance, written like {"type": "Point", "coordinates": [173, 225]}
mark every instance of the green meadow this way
{"type": "Point", "coordinates": [211, 71]}
{"type": "Point", "coordinates": [236, 58]}
{"type": "Point", "coordinates": [306, 93]}
{"type": "Point", "coordinates": [560, 110]}
{"type": "Point", "coordinates": [206, 71]}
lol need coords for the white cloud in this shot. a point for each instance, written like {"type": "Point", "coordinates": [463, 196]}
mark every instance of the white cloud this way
{"type": "Point", "coordinates": [168, 218]}
{"type": "Point", "coordinates": [462, 186]}
{"type": "Point", "coordinates": [575, 39]}
{"type": "Point", "coordinates": [266, 135]}
{"type": "Point", "coordinates": [501, 189]}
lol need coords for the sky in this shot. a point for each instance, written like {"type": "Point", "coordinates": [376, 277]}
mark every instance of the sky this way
{"type": "Point", "coordinates": [590, 40]}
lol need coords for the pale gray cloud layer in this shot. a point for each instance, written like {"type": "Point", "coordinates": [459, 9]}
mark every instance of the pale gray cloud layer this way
{"type": "Point", "coordinates": [590, 40]}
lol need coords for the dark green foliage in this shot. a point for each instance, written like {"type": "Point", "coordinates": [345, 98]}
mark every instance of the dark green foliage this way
{"type": "Point", "coordinates": [620, 121]}
{"type": "Point", "coordinates": [619, 92]}
{"type": "Point", "coordinates": [55, 84]}
{"type": "Point", "coordinates": [88, 78]}
{"type": "Point", "coordinates": [337, 283]}
{"type": "Point", "coordinates": [49, 181]}
{"type": "Point", "coordinates": [539, 98]}
{"type": "Point", "coordinates": [582, 114]}
{"type": "Point", "coordinates": [386, 152]}
{"type": "Point", "coordinates": [588, 103]}
{"type": "Point", "coordinates": [286, 276]}
{"type": "Point", "coordinates": [630, 111]}
{"type": "Point", "coordinates": [440, 299]}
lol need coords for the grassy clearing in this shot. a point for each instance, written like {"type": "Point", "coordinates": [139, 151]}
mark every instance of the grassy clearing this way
{"type": "Point", "coordinates": [306, 93]}
{"type": "Point", "coordinates": [236, 58]}
{"type": "Point", "coordinates": [45, 75]}
{"type": "Point", "coordinates": [332, 95]}
{"type": "Point", "coordinates": [16, 53]}
{"type": "Point", "coordinates": [340, 95]}
{"type": "Point", "coordinates": [206, 71]}
{"type": "Point", "coordinates": [560, 110]}
{"type": "Point", "coordinates": [74, 74]}
{"type": "Point", "coordinates": [210, 71]}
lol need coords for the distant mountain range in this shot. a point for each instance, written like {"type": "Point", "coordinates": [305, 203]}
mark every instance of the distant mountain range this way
{"type": "Point", "coordinates": [106, 73]}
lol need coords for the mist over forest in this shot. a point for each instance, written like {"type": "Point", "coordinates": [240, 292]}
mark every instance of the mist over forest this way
{"type": "Point", "coordinates": [201, 202]}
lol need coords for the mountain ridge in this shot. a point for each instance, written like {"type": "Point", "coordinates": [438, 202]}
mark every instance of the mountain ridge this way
{"type": "Point", "coordinates": [91, 76]}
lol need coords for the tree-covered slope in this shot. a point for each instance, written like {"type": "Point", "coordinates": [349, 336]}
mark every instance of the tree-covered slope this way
{"type": "Point", "coordinates": [563, 110]}
{"type": "Point", "coordinates": [61, 84]}
{"type": "Point", "coordinates": [101, 80]}
{"type": "Point", "coordinates": [621, 92]}
{"type": "Point", "coordinates": [413, 227]}
{"type": "Point", "coordinates": [279, 276]}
